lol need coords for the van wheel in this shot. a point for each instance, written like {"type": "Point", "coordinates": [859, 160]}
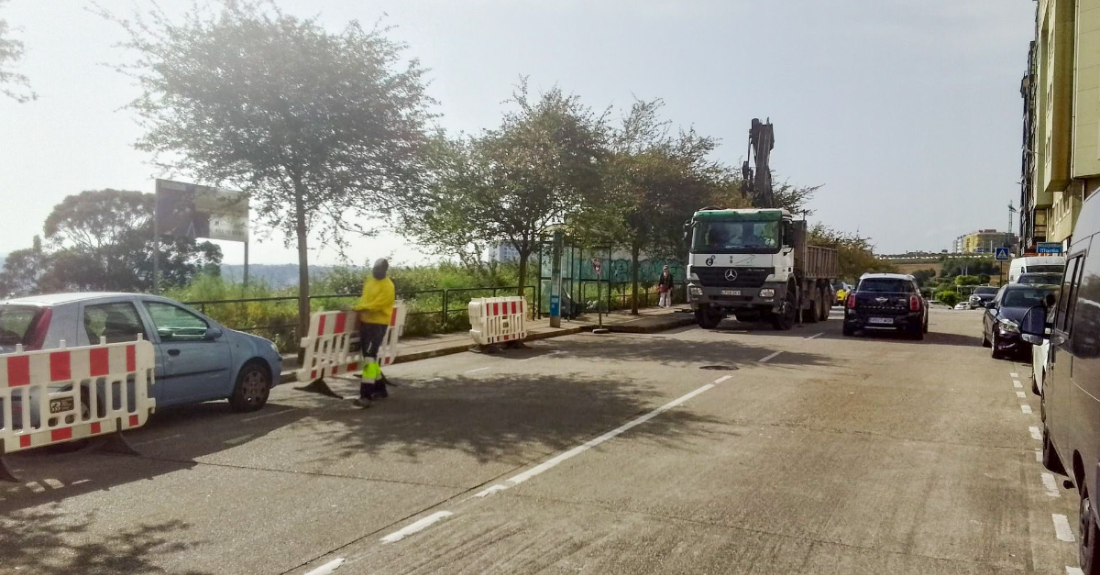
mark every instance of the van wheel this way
{"type": "Point", "coordinates": [252, 389]}
{"type": "Point", "coordinates": [1087, 548]}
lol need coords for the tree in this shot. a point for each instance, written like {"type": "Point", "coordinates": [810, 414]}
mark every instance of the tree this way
{"type": "Point", "coordinates": [316, 127]}
{"type": "Point", "coordinates": [540, 168]}
{"type": "Point", "coordinates": [967, 280]}
{"type": "Point", "coordinates": [855, 254]}
{"type": "Point", "coordinates": [103, 240]}
{"type": "Point", "coordinates": [23, 270]}
{"type": "Point", "coordinates": [924, 276]}
{"type": "Point", "coordinates": [13, 84]}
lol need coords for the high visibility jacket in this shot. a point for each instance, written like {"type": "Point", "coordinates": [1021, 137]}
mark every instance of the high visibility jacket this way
{"type": "Point", "coordinates": [376, 303]}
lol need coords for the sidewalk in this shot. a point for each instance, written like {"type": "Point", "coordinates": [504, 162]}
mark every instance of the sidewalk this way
{"type": "Point", "coordinates": [649, 320]}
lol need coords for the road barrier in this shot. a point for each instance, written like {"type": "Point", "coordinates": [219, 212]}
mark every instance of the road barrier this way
{"type": "Point", "coordinates": [60, 395]}
{"type": "Point", "coordinates": [498, 320]}
{"type": "Point", "coordinates": [334, 348]}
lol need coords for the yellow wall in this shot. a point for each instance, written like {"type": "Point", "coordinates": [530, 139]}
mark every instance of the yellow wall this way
{"type": "Point", "coordinates": [1086, 160]}
{"type": "Point", "coordinates": [1056, 41]}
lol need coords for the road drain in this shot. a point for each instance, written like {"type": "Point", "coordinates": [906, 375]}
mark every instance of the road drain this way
{"type": "Point", "coordinates": [720, 367]}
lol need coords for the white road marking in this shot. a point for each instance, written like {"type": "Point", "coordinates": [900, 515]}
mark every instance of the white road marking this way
{"type": "Point", "coordinates": [1039, 455]}
{"type": "Point", "coordinates": [1062, 529]}
{"type": "Point", "coordinates": [770, 357]}
{"type": "Point", "coordinates": [1025, 408]}
{"type": "Point", "coordinates": [1035, 433]}
{"type": "Point", "coordinates": [80, 481]}
{"type": "Point", "coordinates": [723, 378]}
{"type": "Point", "coordinates": [327, 567]}
{"type": "Point", "coordinates": [415, 527]}
{"type": "Point", "coordinates": [816, 335]}
{"type": "Point", "coordinates": [158, 440]}
{"type": "Point", "coordinates": [237, 440]}
{"type": "Point", "coordinates": [272, 414]}
{"type": "Point", "coordinates": [1021, 395]}
{"type": "Point", "coordinates": [1014, 374]}
{"type": "Point", "coordinates": [35, 487]}
{"type": "Point", "coordinates": [1016, 383]}
{"type": "Point", "coordinates": [1074, 570]}
{"type": "Point", "coordinates": [1050, 484]}
{"type": "Point", "coordinates": [491, 490]}
{"type": "Point", "coordinates": [53, 483]}
{"type": "Point", "coordinates": [554, 461]}
{"type": "Point", "coordinates": [555, 352]}
{"type": "Point", "coordinates": [477, 370]}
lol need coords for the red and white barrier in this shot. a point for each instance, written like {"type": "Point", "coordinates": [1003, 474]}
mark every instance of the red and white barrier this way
{"type": "Point", "coordinates": [59, 395]}
{"type": "Point", "coordinates": [333, 348]}
{"type": "Point", "coordinates": [498, 319]}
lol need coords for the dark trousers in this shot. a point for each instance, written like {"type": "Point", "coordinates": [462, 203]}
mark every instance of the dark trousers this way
{"type": "Point", "coordinates": [371, 336]}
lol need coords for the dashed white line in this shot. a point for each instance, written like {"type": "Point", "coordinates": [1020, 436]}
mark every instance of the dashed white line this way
{"type": "Point", "coordinates": [1014, 374]}
{"type": "Point", "coordinates": [415, 527]}
{"type": "Point", "coordinates": [1062, 529]}
{"type": "Point", "coordinates": [1051, 485]}
{"type": "Point", "coordinates": [770, 357]}
{"type": "Point", "coordinates": [723, 378]}
{"type": "Point", "coordinates": [477, 370]}
{"type": "Point", "coordinates": [327, 568]}
{"type": "Point", "coordinates": [237, 440]}
{"type": "Point", "coordinates": [490, 490]}
{"type": "Point", "coordinates": [1039, 455]}
{"type": "Point", "coordinates": [1074, 570]}
{"type": "Point", "coordinates": [157, 440]}
{"type": "Point", "coordinates": [1016, 383]}
{"type": "Point", "coordinates": [1020, 395]}
{"type": "Point", "coordinates": [273, 414]}
{"type": "Point", "coordinates": [1035, 434]}
{"type": "Point", "coordinates": [816, 335]}
{"type": "Point", "coordinates": [1025, 408]}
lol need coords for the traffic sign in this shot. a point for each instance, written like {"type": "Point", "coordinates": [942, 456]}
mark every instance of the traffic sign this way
{"type": "Point", "coordinates": [1002, 255]}
{"type": "Point", "coordinates": [596, 265]}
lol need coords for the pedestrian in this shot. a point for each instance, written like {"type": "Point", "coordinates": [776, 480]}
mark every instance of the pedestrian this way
{"type": "Point", "coordinates": [664, 286]}
{"type": "Point", "coordinates": [375, 308]}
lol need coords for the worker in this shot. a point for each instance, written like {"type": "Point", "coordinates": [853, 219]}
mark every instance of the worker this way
{"type": "Point", "coordinates": [375, 309]}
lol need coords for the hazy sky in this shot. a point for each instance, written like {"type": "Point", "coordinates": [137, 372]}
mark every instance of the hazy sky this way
{"type": "Point", "coordinates": [908, 111]}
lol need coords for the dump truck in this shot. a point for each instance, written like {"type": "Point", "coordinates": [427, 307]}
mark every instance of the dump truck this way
{"type": "Point", "coordinates": [756, 265]}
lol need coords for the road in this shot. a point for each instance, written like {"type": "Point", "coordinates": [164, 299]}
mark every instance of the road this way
{"type": "Point", "coordinates": [739, 450]}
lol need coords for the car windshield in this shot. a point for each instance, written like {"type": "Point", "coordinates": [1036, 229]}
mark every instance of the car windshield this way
{"type": "Point", "coordinates": [1024, 297]}
{"type": "Point", "coordinates": [885, 285]}
{"type": "Point", "coordinates": [1041, 279]}
{"type": "Point", "coordinates": [16, 322]}
{"type": "Point", "coordinates": [735, 237]}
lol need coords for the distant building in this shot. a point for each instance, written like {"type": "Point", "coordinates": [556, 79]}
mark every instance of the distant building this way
{"type": "Point", "coordinates": [503, 252]}
{"type": "Point", "coordinates": [984, 241]}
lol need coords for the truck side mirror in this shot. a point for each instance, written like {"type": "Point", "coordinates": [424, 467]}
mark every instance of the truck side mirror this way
{"type": "Point", "coordinates": [1033, 325]}
{"type": "Point", "coordinates": [687, 232]}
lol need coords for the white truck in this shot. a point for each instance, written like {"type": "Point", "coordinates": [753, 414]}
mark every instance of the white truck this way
{"type": "Point", "coordinates": [755, 265]}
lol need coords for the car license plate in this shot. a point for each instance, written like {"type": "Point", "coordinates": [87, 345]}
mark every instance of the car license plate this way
{"type": "Point", "coordinates": [61, 405]}
{"type": "Point", "coordinates": [881, 320]}
{"type": "Point", "coordinates": [731, 292]}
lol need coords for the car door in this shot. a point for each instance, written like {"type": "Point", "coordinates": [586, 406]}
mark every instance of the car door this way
{"type": "Point", "coordinates": [989, 318]}
{"type": "Point", "coordinates": [116, 321]}
{"type": "Point", "coordinates": [1058, 387]}
{"type": "Point", "coordinates": [197, 367]}
{"type": "Point", "coordinates": [1083, 347]}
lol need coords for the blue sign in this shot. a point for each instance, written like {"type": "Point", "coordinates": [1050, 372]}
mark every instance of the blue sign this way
{"type": "Point", "coordinates": [555, 305]}
{"type": "Point", "coordinates": [1002, 255]}
{"type": "Point", "coordinates": [1049, 248]}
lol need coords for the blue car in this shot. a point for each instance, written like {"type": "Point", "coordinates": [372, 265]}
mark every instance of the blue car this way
{"type": "Point", "coordinates": [197, 359]}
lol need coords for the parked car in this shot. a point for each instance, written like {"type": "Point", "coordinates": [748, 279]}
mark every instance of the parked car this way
{"type": "Point", "coordinates": [1070, 400]}
{"type": "Point", "coordinates": [1040, 279]}
{"type": "Point", "coordinates": [1001, 321]}
{"type": "Point", "coordinates": [962, 305]}
{"type": "Point", "coordinates": [842, 293]}
{"type": "Point", "coordinates": [197, 359]}
{"type": "Point", "coordinates": [886, 301]}
{"type": "Point", "coordinates": [982, 296]}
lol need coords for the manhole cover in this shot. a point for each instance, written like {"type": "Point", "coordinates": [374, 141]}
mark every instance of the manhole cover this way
{"type": "Point", "coordinates": [720, 367]}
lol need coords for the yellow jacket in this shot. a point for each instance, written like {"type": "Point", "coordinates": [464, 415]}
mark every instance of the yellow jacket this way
{"type": "Point", "coordinates": [376, 303]}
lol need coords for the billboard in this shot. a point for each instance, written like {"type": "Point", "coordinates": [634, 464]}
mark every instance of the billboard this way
{"type": "Point", "coordinates": [189, 210]}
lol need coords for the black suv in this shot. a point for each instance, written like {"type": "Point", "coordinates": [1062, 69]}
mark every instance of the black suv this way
{"type": "Point", "coordinates": [886, 301]}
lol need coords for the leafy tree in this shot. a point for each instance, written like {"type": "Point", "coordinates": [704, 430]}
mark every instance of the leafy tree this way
{"type": "Point", "coordinates": [23, 270]}
{"type": "Point", "coordinates": [541, 168]}
{"type": "Point", "coordinates": [317, 127]}
{"type": "Point", "coordinates": [13, 84]}
{"type": "Point", "coordinates": [855, 254]}
{"type": "Point", "coordinates": [923, 277]}
{"type": "Point", "coordinates": [967, 280]}
{"type": "Point", "coordinates": [948, 297]}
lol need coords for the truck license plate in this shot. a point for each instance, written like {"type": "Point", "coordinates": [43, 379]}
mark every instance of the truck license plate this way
{"type": "Point", "coordinates": [882, 320]}
{"type": "Point", "coordinates": [731, 292]}
{"type": "Point", "coordinates": [61, 405]}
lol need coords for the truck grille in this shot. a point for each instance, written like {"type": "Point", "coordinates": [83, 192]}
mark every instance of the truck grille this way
{"type": "Point", "coordinates": [746, 277]}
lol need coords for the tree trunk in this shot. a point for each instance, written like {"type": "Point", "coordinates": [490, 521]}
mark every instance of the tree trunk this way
{"type": "Point", "coordinates": [303, 261]}
{"type": "Point", "coordinates": [634, 251]}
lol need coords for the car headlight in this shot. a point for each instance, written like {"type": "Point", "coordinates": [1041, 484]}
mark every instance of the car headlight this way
{"type": "Point", "coordinates": [1008, 325]}
{"type": "Point", "coordinates": [693, 290]}
{"type": "Point", "coordinates": [767, 292]}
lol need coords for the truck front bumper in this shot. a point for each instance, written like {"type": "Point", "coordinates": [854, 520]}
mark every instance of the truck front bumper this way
{"type": "Point", "coordinates": [766, 297]}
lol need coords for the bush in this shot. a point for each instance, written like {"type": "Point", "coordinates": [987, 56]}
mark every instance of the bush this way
{"type": "Point", "coordinates": [949, 298]}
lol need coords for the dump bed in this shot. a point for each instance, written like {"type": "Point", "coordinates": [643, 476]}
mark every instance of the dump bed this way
{"type": "Point", "coordinates": [812, 262]}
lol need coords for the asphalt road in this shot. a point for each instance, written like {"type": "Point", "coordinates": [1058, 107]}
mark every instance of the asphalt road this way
{"type": "Point", "coordinates": [799, 452]}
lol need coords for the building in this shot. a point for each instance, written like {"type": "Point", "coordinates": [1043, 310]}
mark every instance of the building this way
{"type": "Point", "coordinates": [957, 245]}
{"type": "Point", "coordinates": [503, 252]}
{"type": "Point", "coordinates": [1060, 164]}
{"type": "Point", "coordinates": [984, 241]}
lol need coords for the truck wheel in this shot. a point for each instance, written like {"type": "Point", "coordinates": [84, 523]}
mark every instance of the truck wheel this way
{"type": "Point", "coordinates": [706, 318]}
{"type": "Point", "coordinates": [825, 306]}
{"type": "Point", "coordinates": [785, 318]}
{"type": "Point", "coordinates": [812, 315]}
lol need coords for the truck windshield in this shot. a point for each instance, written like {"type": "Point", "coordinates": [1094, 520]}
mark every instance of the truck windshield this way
{"type": "Point", "coordinates": [735, 238]}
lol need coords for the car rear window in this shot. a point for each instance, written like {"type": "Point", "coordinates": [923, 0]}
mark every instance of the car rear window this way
{"type": "Point", "coordinates": [985, 291]}
{"type": "Point", "coordinates": [1047, 269]}
{"type": "Point", "coordinates": [885, 285]}
{"type": "Point", "coordinates": [17, 325]}
{"type": "Point", "coordinates": [1024, 297]}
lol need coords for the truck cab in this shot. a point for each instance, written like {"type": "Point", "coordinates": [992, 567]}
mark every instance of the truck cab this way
{"type": "Point", "coordinates": [754, 264]}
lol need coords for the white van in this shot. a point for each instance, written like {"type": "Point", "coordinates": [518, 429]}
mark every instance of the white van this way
{"type": "Point", "coordinates": [1035, 264]}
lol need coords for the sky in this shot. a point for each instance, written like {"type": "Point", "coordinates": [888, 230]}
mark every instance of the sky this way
{"type": "Point", "coordinates": [908, 112]}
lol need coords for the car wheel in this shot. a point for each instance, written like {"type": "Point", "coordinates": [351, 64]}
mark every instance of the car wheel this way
{"type": "Point", "coordinates": [993, 349]}
{"type": "Point", "coordinates": [252, 389]}
{"type": "Point", "coordinates": [1087, 548]}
